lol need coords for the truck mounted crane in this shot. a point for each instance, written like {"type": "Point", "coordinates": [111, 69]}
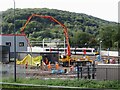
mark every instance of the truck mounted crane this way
{"type": "Point", "coordinates": [67, 58]}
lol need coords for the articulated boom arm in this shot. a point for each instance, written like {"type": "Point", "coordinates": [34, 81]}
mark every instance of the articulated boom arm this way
{"type": "Point", "coordinates": [53, 19]}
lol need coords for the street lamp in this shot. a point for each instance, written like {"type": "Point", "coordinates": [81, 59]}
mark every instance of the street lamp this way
{"type": "Point", "coordinates": [64, 45]}
{"type": "Point", "coordinates": [43, 44]}
{"type": "Point", "coordinates": [14, 45]}
{"type": "Point", "coordinates": [108, 55]}
{"type": "Point", "coordinates": [85, 45]}
{"type": "Point", "coordinates": [100, 49]}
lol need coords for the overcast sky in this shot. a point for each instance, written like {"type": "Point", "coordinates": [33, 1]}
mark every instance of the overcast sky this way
{"type": "Point", "coordinates": [104, 9]}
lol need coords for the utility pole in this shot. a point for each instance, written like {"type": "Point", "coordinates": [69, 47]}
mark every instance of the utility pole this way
{"type": "Point", "coordinates": [14, 45]}
{"type": "Point", "coordinates": [119, 32]}
{"type": "Point", "coordinates": [1, 22]}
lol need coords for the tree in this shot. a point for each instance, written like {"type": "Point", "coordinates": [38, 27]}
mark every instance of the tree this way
{"type": "Point", "coordinates": [108, 35]}
{"type": "Point", "coordinates": [82, 39]}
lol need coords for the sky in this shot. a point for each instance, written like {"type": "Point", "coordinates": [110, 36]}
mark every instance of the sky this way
{"type": "Point", "coordinates": [104, 9]}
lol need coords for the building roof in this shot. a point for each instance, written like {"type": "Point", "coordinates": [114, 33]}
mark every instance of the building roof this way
{"type": "Point", "coordinates": [12, 34]}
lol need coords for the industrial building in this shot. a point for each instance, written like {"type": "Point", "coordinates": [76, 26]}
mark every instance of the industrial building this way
{"type": "Point", "coordinates": [8, 40]}
{"type": "Point", "coordinates": [4, 54]}
{"type": "Point", "coordinates": [7, 48]}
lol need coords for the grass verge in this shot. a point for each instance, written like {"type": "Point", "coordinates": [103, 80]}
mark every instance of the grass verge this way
{"type": "Point", "coordinates": [82, 83]}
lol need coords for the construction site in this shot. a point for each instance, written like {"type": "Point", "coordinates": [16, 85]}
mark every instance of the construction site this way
{"type": "Point", "coordinates": [19, 58]}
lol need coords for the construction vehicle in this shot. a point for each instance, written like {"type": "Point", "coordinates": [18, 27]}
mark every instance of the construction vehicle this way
{"type": "Point", "coordinates": [67, 57]}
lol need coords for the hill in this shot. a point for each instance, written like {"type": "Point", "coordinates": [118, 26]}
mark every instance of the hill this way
{"type": "Point", "coordinates": [83, 29]}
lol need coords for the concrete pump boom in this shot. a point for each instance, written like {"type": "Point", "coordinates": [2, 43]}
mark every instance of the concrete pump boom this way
{"type": "Point", "coordinates": [53, 19]}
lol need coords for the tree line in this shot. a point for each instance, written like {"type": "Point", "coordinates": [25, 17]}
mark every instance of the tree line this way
{"type": "Point", "coordinates": [84, 30]}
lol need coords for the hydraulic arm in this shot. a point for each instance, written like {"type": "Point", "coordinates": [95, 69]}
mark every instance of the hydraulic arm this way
{"type": "Point", "coordinates": [53, 19]}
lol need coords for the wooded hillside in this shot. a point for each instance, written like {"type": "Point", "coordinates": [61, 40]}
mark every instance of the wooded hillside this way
{"type": "Point", "coordinates": [83, 29]}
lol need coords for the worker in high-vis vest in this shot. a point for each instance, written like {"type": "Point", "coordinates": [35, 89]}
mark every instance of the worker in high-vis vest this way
{"type": "Point", "coordinates": [57, 66]}
{"type": "Point", "coordinates": [49, 66]}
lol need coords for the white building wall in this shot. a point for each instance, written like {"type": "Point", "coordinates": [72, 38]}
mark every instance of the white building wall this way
{"type": "Point", "coordinates": [109, 53]}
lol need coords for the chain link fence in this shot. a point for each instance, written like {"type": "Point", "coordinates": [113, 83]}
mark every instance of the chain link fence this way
{"type": "Point", "coordinates": [53, 70]}
{"type": "Point", "coordinates": [47, 72]}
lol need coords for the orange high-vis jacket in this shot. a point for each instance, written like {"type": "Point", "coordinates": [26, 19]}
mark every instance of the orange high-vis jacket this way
{"type": "Point", "coordinates": [57, 66]}
{"type": "Point", "coordinates": [49, 66]}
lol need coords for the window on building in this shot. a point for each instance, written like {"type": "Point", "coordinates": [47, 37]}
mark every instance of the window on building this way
{"type": "Point", "coordinates": [8, 43]}
{"type": "Point", "coordinates": [21, 44]}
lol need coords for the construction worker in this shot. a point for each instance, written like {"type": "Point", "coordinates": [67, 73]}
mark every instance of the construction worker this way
{"type": "Point", "coordinates": [49, 66]}
{"type": "Point", "coordinates": [46, 61]}
{"type": "Point", "coordinates": [71, 68]}
{"type": "Point", "coordinates": [57, 66]}
{"type": "Point", "coordinates": [26, 65]}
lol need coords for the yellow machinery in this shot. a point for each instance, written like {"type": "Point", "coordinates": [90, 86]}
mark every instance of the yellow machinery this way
{"type": "Point", "coordinates": [68, 61]}
{"type": "Point", "coordinates": [29, 60]}
{"type": "Point", "coordinates": [65, 60]}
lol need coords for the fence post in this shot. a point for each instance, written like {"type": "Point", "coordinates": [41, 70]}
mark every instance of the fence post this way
{"type": "Point", "coordinates": [106, 73]}
{"type": "Point", "coordinates": [93, 70]}
{"type": "Point", "coordinates": [81, 71]}
{"type": "Point", "coordinates": [88, 72]}
{"type": "Point", "coordinates": [78, 70]}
